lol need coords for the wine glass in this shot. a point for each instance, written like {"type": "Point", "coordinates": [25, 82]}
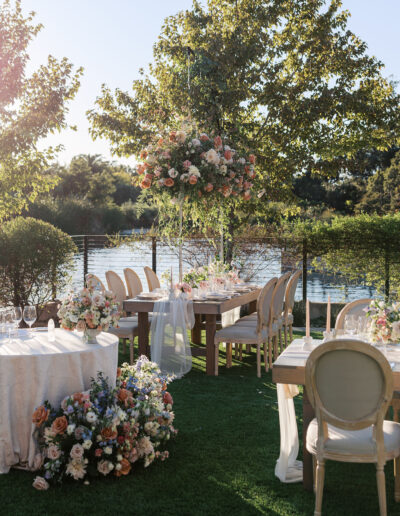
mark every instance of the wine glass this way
{"type": "Point", "coordinates": [2, 322]}
{"type": "Point", "coordinates": [17, 318]}
{"type": "Point", "coordinates": [29, 315]}
{"type": "Point", "coordinates": [8, 315]}
{"type": "Point", "coordinates": [350, 324]}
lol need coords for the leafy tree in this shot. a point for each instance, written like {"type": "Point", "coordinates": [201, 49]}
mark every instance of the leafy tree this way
{"type": "Point", "coordinates": [286, 79]}
{"type": "Point", "coordinates": [35, 259]}
{"type": "Point", "coordinates": [30, 108]}
{"type": "Point", "coordinates": [383, 190]}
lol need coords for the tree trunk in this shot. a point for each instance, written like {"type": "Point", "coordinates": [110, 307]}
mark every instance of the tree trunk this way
{"type": "Point", "coordinates": [304, 275]}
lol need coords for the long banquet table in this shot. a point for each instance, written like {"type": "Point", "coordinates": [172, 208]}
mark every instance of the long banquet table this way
{"type": "Point", "coordinates": [210, 309]}
{"type": "Point", "coordinates": [34, 369]}
{"type": "Point", "coordinates": [289, 368]}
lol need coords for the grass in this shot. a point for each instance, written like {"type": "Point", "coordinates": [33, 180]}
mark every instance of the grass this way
{"type": "Point", "coordinates": [222, 462]}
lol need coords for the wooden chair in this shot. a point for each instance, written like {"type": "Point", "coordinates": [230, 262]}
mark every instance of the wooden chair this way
{"type": "Point", "coordinates": [277, 318]}
{"type": "Point", "coordinates": [251, 334]}
{"type": "Point", "coordinates": [353, 308]}
{"type": "Point", "coordinates": [133, 283]}
{"type": "Point", "coordinates": [288, 307]}
{"type": "Point", "coordinates": [350, 385]}
{"type": "Point", "coordinates": [128, 327]}
{"type": "Point", "coordinates": [152, 279]}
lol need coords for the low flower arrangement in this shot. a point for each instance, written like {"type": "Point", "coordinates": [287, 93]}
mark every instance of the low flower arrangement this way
{"type": "Point", "coordinates": [384, 321]}
{"type": "Point", "coordinates": [183, 165]}
{"type": "Point", "coordinates": [89, 309]}
{"type": "Point", "coordinates": [106, 431]}
{"type": "Point", "coordinates": [217, 271]}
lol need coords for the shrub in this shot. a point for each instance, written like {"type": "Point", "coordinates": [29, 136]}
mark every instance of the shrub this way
{"type": "Point", "coordinates": [35, 257]}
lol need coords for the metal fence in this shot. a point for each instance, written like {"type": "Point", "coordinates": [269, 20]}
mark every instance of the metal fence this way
{"type": "Point", "coordinates": [258, 260]}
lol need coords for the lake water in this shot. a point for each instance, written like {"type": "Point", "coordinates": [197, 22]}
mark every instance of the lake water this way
{"type": "Point", "coordinates": [258, 263]}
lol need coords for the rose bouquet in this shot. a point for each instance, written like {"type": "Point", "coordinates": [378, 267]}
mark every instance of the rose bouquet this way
{"type": "Point", "coordinates": [107, 430]}
{"type": "Point", "coordinates": [216, 271]}
{"type": "Point", "coordinates": [384, 321]}
{"type": "Point", "coordinates": [89, 309]}
{"type": "Point", "coordinates": [186, 166]}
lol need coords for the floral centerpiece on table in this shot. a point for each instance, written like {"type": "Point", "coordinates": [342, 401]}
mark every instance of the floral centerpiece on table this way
{"type": "Point", "coordinates": [107, 431]}
{"type": "Point", "coordinates": [182, 165]}
{"type": "Point", "coordinates": [217, 270]}
{"type": "Point", "coordinates": [384, 321]}
{"type": "Point", "coordinates": [89, 309]}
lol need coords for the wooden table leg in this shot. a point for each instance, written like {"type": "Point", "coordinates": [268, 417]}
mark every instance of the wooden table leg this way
{"type": "Point", "coordinates": [252, 306]}
{"type": "Point", "coordinates": [308, 416]}
{"type": "Point", "coordinates": [196, 331]}
{"type": "Point", "coordinates": [211, 353]}
{"type": "Point", "coordinates": [143, 323]}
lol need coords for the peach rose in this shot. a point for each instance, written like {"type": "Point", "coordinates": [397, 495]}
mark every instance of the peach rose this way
{"type": "Point", "coordinates": [192, 180]}
{"type": "Point", "coordinates": [123, 395]}
{"type": "Point", "coordinates": [40, 484]}
{"type": "Point", "coordinates": [218, 142]}
{"type": "Point", "coordinates": [143, 154]}
{"type": "Point", "coordinates": [125, 468]}
{"type": "Point", "coordinates": [204, 137]}
{"type": "Point", "coordinates": [81, 326]}
{"type": "Point", "coordinates": [228, 155]}
{"type": "Point", "coordinates": [160, 142]}
{"type": "Point", "coordinates": [169, 182]}
{"type": "Point", "coordinates": [79, 397]}
{"type": "Point", "coordinates": [209, 187]}
{"type": "Point", "coordinates": [252, 159]}
{"type": "Point", "coordinates": [146, 183]}
{"type": "Point", "coordinates": [167, 398]}
{"type": "Point", "coordinates": [172, 136]}
{"type": "Point", "coordinates": [108, 434]}
{"type": "Point", "coordinates": [59, 425]}
{"type": "Point", "coordinates": [40, 415]}
{"type": "Point", "coordinates": [246, 195]}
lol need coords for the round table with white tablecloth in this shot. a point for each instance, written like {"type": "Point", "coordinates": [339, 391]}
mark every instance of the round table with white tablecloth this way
{"type": "Point", "coordinates": [34, 369]}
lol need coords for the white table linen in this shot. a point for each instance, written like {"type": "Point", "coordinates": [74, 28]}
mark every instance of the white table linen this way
{"type": "Point", "coordinates": [32, 370]}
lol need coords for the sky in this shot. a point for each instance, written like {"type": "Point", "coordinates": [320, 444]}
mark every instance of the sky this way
{"type": "Point", "coordinates": [113, 39]}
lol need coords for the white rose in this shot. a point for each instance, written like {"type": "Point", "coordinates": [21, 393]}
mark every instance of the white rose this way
{"type": "Point", "coordinates": [118, 467]}
{"type": "Point", "coordinates": [87, 444]}
{"type": "Point", "coordinates": [212, 157]}
{"type": "Point", "coordinates": [194, 171]}
{"type": "Point", "coordinates": [119, 458]}
{"type": "Point", "coordinates": [91, 417]}
{"type": "Point", "coordinates": [172, 172]}
{"type": "Point", "coordinates": [223, 169]}
{"type": "Point", "coordinates": [71, 429]}
{"type": "Point", "coordinates": [181, 137]}
{"type": "Point", "coordinates": [108, 450]}
{"type": "Point", "coordinates": [196, 142]}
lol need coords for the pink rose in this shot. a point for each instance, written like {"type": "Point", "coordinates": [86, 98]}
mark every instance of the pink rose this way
{"type": "Point", "coordinates": [77, 451]}
{"type": "Point", "coordinates": [187, 164]}
{"type": "Point", "coordinates": [40, 484]}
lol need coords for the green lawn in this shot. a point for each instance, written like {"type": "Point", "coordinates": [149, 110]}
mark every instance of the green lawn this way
{"type": "Point", "coordinates": [222, 462]}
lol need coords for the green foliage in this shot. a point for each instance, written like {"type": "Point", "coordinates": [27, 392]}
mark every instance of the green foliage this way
{"type": "Point", "coordinates": [382, 193]}
{"type": "Point", "coordinates": [30, 109]}
{"type": "Point", "coordinates": [34, 257]}
{"type": "Point", "coordinates": [285, 79]}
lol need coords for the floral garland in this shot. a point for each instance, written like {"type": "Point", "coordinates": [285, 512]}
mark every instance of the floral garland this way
{"type": "Point", "coordinates": [184, 166]}
{"type": "Point", "coordinates": [107, 430]}
{"type": "Point", "coordinates": [89, 309]}
{"type": "Point", "coordinates": [218, 270]}
{"type": "Point", "coordinates": [384, 321]}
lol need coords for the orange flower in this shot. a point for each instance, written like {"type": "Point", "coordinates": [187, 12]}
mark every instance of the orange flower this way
{"type": "Point", "coordinates": [59, 425]}
{"type": "Point", "coordinates": [226, 191]}
{"type": "Point", "coordinates": [40, 415]}
{"type": "Point", "coordinates": [172, 136]}
{"type": "Point", "coordinates": [247, 169]}
{"type": "Point", "coordinates": [78, 396]}
{"type": "Point", "coordinates": [218, 142]}
{"type": "Point", "coordinates": [125, 468]}
{"type": "Point", "coordinates": [199, 193]}
{"type": "Point", "coordinates": [252, 159]}
{"type": "Point", "coordinates": [246, 195]}
{"type": "Point", "coordinates": [146, 183]}
{"type": "Point", "coordinates": [167, 398]}
{"type": "Point", "coordinates": [160, 142]}
{"type": "Point", "coordinates": [123, 395]}
{"type": "Point", "coordinates": [169, 182]}
{"type": "Point", "coordinates": [209, 187]}
{"type": "Point", "coordinates": [140, 169]}
{"type": "Point", "coordinates": [204, 137]}
{"type": "Point", "coordinates": [108, 434]}
{"type": "Point", "coordinates": [143, 154]}
{"type": "Point", "coordinates": [228, 155]}
{"type": "Point", "coordinates": [193, 180]}
{"type": "Point", "coordinates": [148, 176]}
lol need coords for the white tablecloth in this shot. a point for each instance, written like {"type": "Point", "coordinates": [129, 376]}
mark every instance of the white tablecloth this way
{"type": "Point", "coordinates": [33, 370]}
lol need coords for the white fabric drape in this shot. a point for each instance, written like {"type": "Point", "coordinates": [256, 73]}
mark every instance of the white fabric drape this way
{"type": "Point", "coordinates": [34, 369]}
{"type": "Point", "coordinates": [288, 469]}
{"type": "Point", "coordinates": [170, 347]}
{"type": "Point", "coordinates": [230, 317]}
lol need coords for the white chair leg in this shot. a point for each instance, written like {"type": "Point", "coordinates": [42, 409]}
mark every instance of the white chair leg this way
{"type": "Point", "coordinates": [380, 480]}
{"type": "Point", "coordinates": [319, 487]}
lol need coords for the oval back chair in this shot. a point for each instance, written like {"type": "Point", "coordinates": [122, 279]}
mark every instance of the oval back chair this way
{"type": "Point", "coordinates": [133, 283]}
{"type": "Point", "coordinates": [93, 280]}
{"type": "Point", "coordinates": [353, 308]}
{"type": "Point", "coordinates": [350, 385]}
{"type": "Point", "coordinates": [277, 309]}
{"type": "Point", "coordinates": [152, 279]}
{"type": "Point", "coordinates": [288, 305]}
{"type": "Point", "coordinates": [116, 285]}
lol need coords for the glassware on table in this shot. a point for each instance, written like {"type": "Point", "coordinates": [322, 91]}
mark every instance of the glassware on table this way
{"type": "Point", "coordinates": [29, 315]}
{"type": "Point", "coordinates": [2, 323]}
{"type": "Point", "coordinates": [9, 321]}
{"type": "Point", "coordinates": [350, 324]}
{"type": "Point", "coordinates": [17, 318]}
{"type": "Point", "coordinates": [362, 328]}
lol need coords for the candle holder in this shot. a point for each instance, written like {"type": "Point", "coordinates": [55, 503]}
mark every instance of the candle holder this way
{"type": "Point", "coordinates": [307, 342]}
{"type": "Point", "coordinates": [329, 335]}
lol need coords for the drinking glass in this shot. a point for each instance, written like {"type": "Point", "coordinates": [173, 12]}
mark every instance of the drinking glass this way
{"type": "Point", "coordinates": [29, 315]}
{"type": "Point", "coordinates": [2, 323]}
{"type": "Point", "coordinates": [350, 324]}
{"type": "Point", "coordinates": [9, 321]}
{"type": "Point", "coordinates": [17, 318]}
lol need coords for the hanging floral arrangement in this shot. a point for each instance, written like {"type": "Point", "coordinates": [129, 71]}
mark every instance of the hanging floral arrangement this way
{"type": "Point", "coordinates": [185, 167]}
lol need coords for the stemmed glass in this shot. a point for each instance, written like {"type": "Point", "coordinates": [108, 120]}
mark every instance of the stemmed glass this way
{"type": "Point", "coordinates": [350, 324]}
{"type": "Point", "coordinates": [8, 320]}
{"type": "Point", "coordinates": [29, 315]}
{"type": "Point", "coordinates": [2, 322]}
{"type": "Point", "coordinates": [17, 318]}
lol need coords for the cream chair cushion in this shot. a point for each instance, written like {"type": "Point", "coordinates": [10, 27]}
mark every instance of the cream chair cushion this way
{"type": "Point", "coordinates": [354, 442]}
{"type": "Point", "coordinates": [240, 334]}
{"type": "Point", "coordinates": [124, 330]}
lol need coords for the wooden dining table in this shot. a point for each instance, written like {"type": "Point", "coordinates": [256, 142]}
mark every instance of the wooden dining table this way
{"type": "Point", "coordinates": [289, 368]}
{"type": "Point", "coordinates": [202, 308]}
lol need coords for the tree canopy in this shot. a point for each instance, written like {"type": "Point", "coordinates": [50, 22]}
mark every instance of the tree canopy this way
{"type": "Point", "coordinates": [30, 108]}
{"type": "Point", "coordinates": [284, 79]}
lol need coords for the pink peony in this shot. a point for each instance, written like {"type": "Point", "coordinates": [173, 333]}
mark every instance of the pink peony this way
{"type": "Point", "coordinates": [186, 164]}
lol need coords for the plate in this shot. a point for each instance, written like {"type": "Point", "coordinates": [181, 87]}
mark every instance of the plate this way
{"type": "Point", "coordinates": [148, 295]}
{"type": "Point", "coordinates": [216, 297]}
